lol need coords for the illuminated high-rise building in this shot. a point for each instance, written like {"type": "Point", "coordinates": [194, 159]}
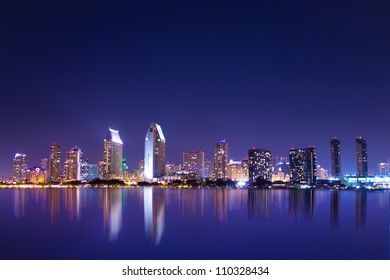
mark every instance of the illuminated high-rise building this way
{"type": "Point", "coordinates": [93, 171]}
{"type": "Point", "coordinates": [384, 169]}
{"type": "Point", "coordinates": [260, 164]}
{"type": "Point", "coordinates": [207, 168]}
{"type": "Point", "coordinates": [234, 171]}
{"type": "Point", "coordinates": [361, 157]}
{"type": "Point", "coordinates": [19, 168]}
{"type": "Point", "coordinates": [303, 166]}
{"type": "Point", "coordinates": [220, 160]}
{"type": "Point", "coordinates": [55, 163]}
{"type": "Point", "coordinates": [84, 169]}
{"type": "Point", "coordinates": [245, 169]}
{"type": "Point", "coordinates": [193, 162]}
{"type": "Point", "coordinates": [335, 157]}
{"type": "Point", "coordinates": [112, 158]}
{"type": "Point", "coordinates": [73, 165]}
{"type": "Point", "coordinates": [45, 163]}
{"type": "Point", "coordinates": [154, 161]}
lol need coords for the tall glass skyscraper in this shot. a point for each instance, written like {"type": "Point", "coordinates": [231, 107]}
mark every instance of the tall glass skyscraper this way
{"type": "Point", "coordinates": [335, 157]}
{"type": "Point", "coordinates": [55, 163]}
{"type": "Point", "coordinates": [73, 165]}
{"type": "Point", "coordinates": [303, 166]}
{"type": "Point", "coordinates": [361, 157]}
{"type": "Point", "coordinates": [220, 160]}
{"type": "Point", "coordinates": [260, 164]}
{"type": "Point", "coordinates": [154, 161]}
{"type": "Point", "coordinates": [19, 168]}
{"type": "Point", "coordinates": [112, 158]}
{"type": "Point", "coordinates": [194, 162]}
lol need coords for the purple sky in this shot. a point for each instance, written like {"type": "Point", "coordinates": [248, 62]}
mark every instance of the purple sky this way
{"type": "Point", "coordinates": [270, 74]}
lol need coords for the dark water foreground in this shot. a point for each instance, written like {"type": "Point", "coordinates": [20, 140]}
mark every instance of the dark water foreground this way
{"type": "Point", "coordinates": [150, 223]}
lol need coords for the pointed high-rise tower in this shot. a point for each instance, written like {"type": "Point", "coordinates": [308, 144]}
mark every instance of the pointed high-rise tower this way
{"type": "Point", "coordinates": [113, 151]}
{"type": "Point", "coordinates": [154, 160]}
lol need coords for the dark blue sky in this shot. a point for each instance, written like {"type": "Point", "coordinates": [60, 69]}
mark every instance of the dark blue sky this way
{"type": "Point", "coordinates": [270, 74]}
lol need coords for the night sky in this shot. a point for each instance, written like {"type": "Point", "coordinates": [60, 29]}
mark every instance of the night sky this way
{"type": "Point", "coordinates": [270, 74]}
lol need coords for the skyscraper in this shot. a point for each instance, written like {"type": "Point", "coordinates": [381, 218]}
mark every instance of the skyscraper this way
{"type": "Point", "coordinates": [73, 165]}
{"type": "Point", "coordinates": [303, 166]}
{"type": "Point", "coordinates": [55, 163]}
{"type": "Point", "coordinates": [335, 157]}
{"type": "Point", "coordinates": [19, 168]}
{"type": "Point", "coordinates": [207, 168]}
{"type": "Point", "coordinates": [154, 161]}
{"type": "Point", "coordinates": [194, 162]}
{"type": "Point", "coordinates": [361, 157]}
{"type": "Point", "coordinates": [259, 164]}
{"type": "Point", "coordinates": [112, 157]}
{"type": "Point", "coordinates": [220, 160]}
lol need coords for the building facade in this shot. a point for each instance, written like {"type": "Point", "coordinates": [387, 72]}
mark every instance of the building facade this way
{"type": "Point", "coordinates": [221, 154]}
{"type": "Point", "coordinates": [361, 157]}
{"type": "Point", "coordinates": [19, 168]}
{"type": "Point", "coordinates": [112, 156]}
{"type": "Point", "coordinates": [193, 162]}
{"type": "Point", "coordinates": [260, 164]}
{"type": "Point", "coordinates": [335, 156]}
{"type": "Point", "coordinates": [55, 163]}
{"type": "Point", "coordinates": [154, 160]}
{"type": "Point", "coordinates": [73, 165]}
{"type": "Point", "coordinates": [303, 166]}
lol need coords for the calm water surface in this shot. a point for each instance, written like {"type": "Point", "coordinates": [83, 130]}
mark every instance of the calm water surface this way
{"type": "Point", "coordinates": [151, 223]}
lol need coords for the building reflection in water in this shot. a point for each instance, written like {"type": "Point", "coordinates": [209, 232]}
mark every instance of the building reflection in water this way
{"type": "Point", "coordinates": [360, 209]}
{"type": "Point", "coordinates": [221, 206]}
{"type": "Point", "coordinates": [263, 202]}
{"type": "Point", "coordinates": [19, 202]}
{"type": "Point", "coordinates": [72, 203]}
{"type": "Point", "coordinates": [154, 214]}
{"type": "Point", "coordinates": [54, 204]}
{"type": "Point", "coordinates": [334, 209]}
{"type": "Point", "coordinates": [301, 204]}
{"type": "Point", "coordinates": [192, 202]}
{"type": "Point", "coordinates": [112, 211]}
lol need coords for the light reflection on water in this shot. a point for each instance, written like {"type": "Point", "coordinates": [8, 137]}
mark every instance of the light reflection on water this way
{"type": "Point", "coordinates": [261, 206]}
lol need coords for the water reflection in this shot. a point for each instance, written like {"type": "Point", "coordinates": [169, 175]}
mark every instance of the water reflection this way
{"type": "Point", "coordinates": [112, 212]}
{"type": "Point", "coordinates": [256, 204]}
{"type": "Point", "coordinates": [154, 214]}
{"type": "Point", "coordinates": [361, 209]}
{"type": "Point", "coordinates": [334, 209]}
{"type": "Point", "coordinates": [19, 202]}
{"type": "Point", "coordinates": [54, 202]}
{"type": "Point", "coordinates": [301, 204]}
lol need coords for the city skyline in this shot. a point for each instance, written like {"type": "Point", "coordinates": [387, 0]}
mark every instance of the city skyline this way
{"type": "Point", "coordinates": [71, 166]}
{"type": "Point", "coordinates": [270, 74]}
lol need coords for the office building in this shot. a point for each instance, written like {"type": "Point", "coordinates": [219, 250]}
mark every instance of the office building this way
{"type": "Point", "coordinates": [112, 157]}
{"type": "Point", "coordinates": [361, 157]}
{"type": "Point", "coordinates": [154, 160]}
{"type": "Point", "coordinates": [193, 162]}
{"type": "Point", "coordinates": [19, 168]}
{"type": "Point", "coordinates": [55, 163]}
{"type": "Point", "coordinates": [245, 170]}
{"type": "Point", "coordinates": [221, 154]}
{"type": "Point", "coordinates": [303, 166]}
{"type": "Point", "coordinates": [335, 157]}
{"type": "Point", "coordinates": [73, 165]}
{"type": "Point", "coordinates": [259, 164]}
